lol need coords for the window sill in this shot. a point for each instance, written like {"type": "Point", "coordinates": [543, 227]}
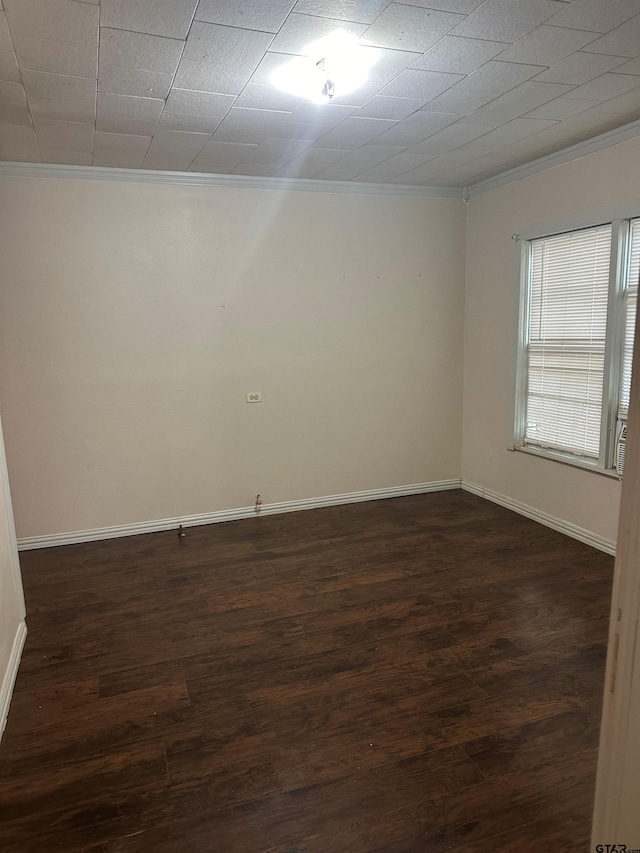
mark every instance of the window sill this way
{"type": "Point", "coordinates": [566, 459]}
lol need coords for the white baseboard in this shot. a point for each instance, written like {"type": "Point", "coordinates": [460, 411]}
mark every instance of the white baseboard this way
{"type": "Point", "coordinates": [572, 530]}
{"type": "Point", "coordinates": [9, 679]}
{"type": "Point", "coordinates": [32, 542]}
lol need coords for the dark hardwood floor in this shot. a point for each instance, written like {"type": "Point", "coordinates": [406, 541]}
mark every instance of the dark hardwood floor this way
{"type": "Point", "coordinates": [416, 675]}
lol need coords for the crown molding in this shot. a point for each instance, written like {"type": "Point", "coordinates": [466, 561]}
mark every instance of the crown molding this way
{"type": "Point", "coordinates": [310, 185]}
{"type": "Point", "coordinates": [566, 155]}
{"type": "Point", "coordinates": [199, 179]}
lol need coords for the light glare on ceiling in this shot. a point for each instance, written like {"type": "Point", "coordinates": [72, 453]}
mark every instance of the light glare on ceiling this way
{"type": "Point", "coordinates": [333, 66]}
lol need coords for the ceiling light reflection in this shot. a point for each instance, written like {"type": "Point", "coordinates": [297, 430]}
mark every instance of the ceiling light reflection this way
{"type": "Point", "coordinates": [333, 66]}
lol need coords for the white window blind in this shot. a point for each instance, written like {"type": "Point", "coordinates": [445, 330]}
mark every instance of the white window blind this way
{"type": "Point", "coordinates": [569, 280]}
{"type": "Point", "coordinates": [631, 306]}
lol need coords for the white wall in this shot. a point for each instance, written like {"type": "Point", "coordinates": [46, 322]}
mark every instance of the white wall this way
{"type": "Point", "coordinates": [583, 498]}
{"type": "Point", "coordinates": [135, 317]}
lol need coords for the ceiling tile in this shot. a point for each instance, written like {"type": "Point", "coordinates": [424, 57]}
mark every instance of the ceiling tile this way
{"type": "Point", "coordinates": [16, 136]}
{"type": "Point", "coordinates": [354, 132]}
{"type": "Point", "coordinates": [360, 11]}
{"type": "Point", "coordinates": [582, 125]}
{"type": "Point", "coordinates": [546, 45]}
{"type": "Point", "coordinates": [294, 130]}
{"type": "Point", "coordinates": [131, 81]}
{"type": "Point", "coordinates": [188, 122]}
{"type": "Point", "coordinates": [127, 114]}
{"type": "Point", "coordinates": [158, 17]}
{"type": "Point", "coordinates": [622, 105]}
{"type": "Point", "coordinates": [461, 99]}
{"type": "Point", "coordinates": [259, 97]}
{"type": "Point", "coordinates": [507, 20]}
{"type": "Point", "coordinates": [451, 137]}
{"type": "Point", "coordinates": [22, 156]}
{"type": "Point", "coordinates": [531, 146]}
{"type": "Point", "coordinates": [333, 173]}
{"type": "Point", "coordinates": [524, 98]}
{"type": "Point", "coordinates": [410, 158]}
{"type": "Point", "coordinates": [410, 28]}
{"type": "Point", "coordinates": [382, 106]}
{"type": "Point", "coordinates": [12, 94]}
{"type": "Point", "coordinates": [167, 162]}
{"type": "Point", "coordinates": [368, 176]}
{"type": "Point", "coordinates": [248, 119]}
{"type": "Point", "coordinates": [62, 20]}
{"type": "Point", "coordinates": [368, 156]}
{"type": "Point", "coordinates": [9, 67]}
{"type": "Point", "coordinates": [257, 170]}
{"type": "Point", "coordinates": [321, 115]}
{"type": "Point", "coordinates": [606, 86]}
{"type": "Point", "coordinates": [595, 15]}
{"type": "Point", "coordinates": [344, 173]}
{"type": "Point", "coordinates": [224, 152]}
{"type": "Point", "coordinates": [62, 110]}
{"type": "Point", "coordinates": [67, 158]}
{"type": "Point", "coordinates": [394, 166]}
{"type": "Point", "coordinates": [446, 162]}
{"type": "Point", "coordinates": [122, 141]}
{"type": "Point", "coordinates": [511, 131]}
{"type": "Point", "coordinates": [139, 51]}
{"type": "Point", "coordinates": [14, 113]}
{"type": "Point", "coordinates": [250, 126]}
{"type": "Point", "coordinates": [172, 142]}
{"type": "Point", "coordinates": [561, 108]}
{"type": "Point", "coordinates": [422, 85]}
{"type": "Point", "coordinates": [277, 151]}
{"type": "Point", "coordinates": [458, 55]}
{"type": "Point", "coordinates": [6, 42]}
{"type": "Point", "coordinates": [475, 170]}
{"type": "Point", "coordinates": [220, 59]}
{"type": "Point", "coordinates": [73, 58]}
{"type": "Point", "coordinates": [419, 174]}
{"type": "Point", "coordinates": [416, 127]}
{"type": "Point", "coordinates": [387, 63]}
{"type": "Point", "coordinates": [498, 76]}
{"type": "Point", "coordinates": [299, 32]}
{"type": "Point", "coordinates": [580, 68]}
{"type": "Point", "coordinates": [65, 135]}
{"type": "Point", "coordinates": [296, 168]}
{"type": "Point", "coordinates": [623, 41]}
{"type": "Point", "coordinates": [630, 67]}
{"type": "Point", "coordinates": [464, 7]}
{"type": "Point", "coordinates": [117, 158]}
{"type": "Point", "coordinates": [448, 88]}
{"type": "Point", "coordinates": [268, 64]}
{"type": "Point", "coordinates": [59, 87]}
{"type": "Point", "coordinates": [248, 15]}
{"type": "Point", "coordinates": [199, 103]}
{"type": "Point", "coordinates": [310, 162]}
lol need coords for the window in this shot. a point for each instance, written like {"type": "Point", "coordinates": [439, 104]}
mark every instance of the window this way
{"type": "Point", "coordinates": [578, 301]}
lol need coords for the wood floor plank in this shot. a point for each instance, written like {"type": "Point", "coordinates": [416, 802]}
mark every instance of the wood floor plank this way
{"type": "Point", "coordinates": [414, 675]}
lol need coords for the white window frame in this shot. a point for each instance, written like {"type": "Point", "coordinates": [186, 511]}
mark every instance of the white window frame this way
{"type": "Point", "coordinates": [618, 216]}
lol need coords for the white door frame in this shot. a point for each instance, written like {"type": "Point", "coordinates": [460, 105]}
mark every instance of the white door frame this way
{"type": "Point", "coordinates": [616, 817]}
{"type": "Point", "coordinates": [4, 484]}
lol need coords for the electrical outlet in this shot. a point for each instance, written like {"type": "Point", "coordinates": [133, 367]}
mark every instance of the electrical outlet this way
{"type": "Point", "coordinates": [254, 397]}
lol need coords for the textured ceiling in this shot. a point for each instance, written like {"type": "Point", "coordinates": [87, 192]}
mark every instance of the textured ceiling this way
{"type": "Point", "coordinates": [462, 89]}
